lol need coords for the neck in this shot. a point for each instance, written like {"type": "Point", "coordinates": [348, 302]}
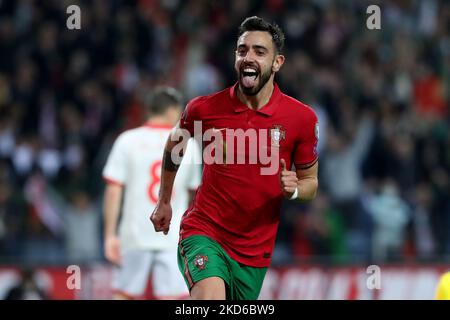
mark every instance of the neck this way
{"type": "Point", "coordinates": [258, 100]}
{"type": "Point", "coordinates": [158, 120]}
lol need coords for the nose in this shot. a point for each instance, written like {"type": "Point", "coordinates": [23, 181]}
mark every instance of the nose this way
{"type": "Point", "coordinates": [249, 57]}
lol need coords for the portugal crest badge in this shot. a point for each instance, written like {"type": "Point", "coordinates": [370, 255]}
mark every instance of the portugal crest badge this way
{"type": "Point", "coordinates": [276, 135]}
{"type": "Point", "coordinates": [200, 262]}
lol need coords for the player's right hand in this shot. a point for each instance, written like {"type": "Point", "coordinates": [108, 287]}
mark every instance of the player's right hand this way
{"type": "Point", "coordinates": [161, 217]}
{"type": "Point", "coordinates": [112, 249]}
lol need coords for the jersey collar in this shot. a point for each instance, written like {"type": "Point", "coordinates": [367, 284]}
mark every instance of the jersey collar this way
{"type": "Point", "coordinates": [157, 126]}
{"type": "Point", "coordinates": [267, 109]}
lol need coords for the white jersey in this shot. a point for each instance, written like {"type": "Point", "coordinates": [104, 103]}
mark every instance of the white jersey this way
{"type": "Point", "coordinates": [135, 163]}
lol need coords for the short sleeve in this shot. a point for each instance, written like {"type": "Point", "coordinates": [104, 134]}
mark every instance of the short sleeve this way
{"type": "Point", "coordinates": [190, 115]}
{"type": "Point", "coordinates": [305, 154]}
{"type": "Point", "coordinates": [115, 170]}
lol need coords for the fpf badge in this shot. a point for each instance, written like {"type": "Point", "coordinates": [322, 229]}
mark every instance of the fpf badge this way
{"type": "Point", "coordinates": [276, 135]}
{"type": "Point", "coordinates": [200, 262]}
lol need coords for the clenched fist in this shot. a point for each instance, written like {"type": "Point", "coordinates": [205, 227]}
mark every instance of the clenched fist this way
{"type": "Point", "coordinates": [161, 217]}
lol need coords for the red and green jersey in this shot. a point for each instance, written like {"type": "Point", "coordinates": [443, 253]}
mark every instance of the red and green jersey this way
{"type": "Point", "coordinates": [235, 204]}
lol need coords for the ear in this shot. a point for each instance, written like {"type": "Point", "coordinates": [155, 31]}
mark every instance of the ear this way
{"type": "Point", "coordinates": [277, 62]}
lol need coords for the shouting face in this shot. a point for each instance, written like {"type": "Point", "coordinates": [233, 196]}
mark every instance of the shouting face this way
{"type": "Point", "coordinates": [256, 61]}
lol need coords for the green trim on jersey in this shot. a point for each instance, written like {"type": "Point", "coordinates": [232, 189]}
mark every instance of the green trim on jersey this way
{"type": "Point", "coordinates": [201, 257]}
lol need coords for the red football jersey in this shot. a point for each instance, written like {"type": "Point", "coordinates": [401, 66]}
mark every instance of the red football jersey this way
{"type": "Point", "coordinates": [236, 205]}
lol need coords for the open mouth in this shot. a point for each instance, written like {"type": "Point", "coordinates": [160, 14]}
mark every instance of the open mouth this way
{"type": "Point", "coordinates": [249, 76]}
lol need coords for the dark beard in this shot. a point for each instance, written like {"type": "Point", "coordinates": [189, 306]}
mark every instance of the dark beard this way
{"type": "Point", "coordinates": [264, 77]}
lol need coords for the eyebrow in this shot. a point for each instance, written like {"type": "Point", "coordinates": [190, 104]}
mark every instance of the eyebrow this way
{"type": "Point", "coordinates": [254, 47]}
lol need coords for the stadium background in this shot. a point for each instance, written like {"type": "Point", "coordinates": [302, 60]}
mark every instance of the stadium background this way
{"type": "Point", "coordinates": [382, 97]}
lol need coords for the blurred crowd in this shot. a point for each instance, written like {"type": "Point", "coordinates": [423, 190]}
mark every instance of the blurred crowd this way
{"type": "Point", "coordinates": [382, 98]}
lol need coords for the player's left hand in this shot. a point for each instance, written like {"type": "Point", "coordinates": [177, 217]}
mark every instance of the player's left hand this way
{"type": "Point", "coordinates": [288, 179]}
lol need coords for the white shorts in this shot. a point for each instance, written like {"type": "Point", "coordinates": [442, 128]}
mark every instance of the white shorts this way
{"type": "Point", "coordinates": [132, 276]}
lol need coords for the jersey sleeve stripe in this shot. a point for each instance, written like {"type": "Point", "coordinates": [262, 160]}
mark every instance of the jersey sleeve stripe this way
{"type": "Point", "coordinates": [112, 181]}
{"type": "Point", "coordinates": [306, 165]}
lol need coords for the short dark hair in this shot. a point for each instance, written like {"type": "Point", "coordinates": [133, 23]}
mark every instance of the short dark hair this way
{"type": "Point", "coordinates": [161, 98]}
{"type": "Point", "coordinates": [259, 24]}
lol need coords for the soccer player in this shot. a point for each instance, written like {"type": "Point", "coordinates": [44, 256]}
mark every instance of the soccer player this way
{"type": "Point", "coordinates": [228, 233]}
{"type": "Point", "coordinates": [443, 287]}
{"type": "Point", "coordinates": [132, 171]}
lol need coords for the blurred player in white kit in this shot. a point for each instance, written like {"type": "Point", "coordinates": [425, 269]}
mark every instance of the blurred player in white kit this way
{"type": "Point", "coordinates": [133, 171]}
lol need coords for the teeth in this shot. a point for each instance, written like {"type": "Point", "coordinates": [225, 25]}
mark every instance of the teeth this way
{"type": "Point", "coordinates": [249, 70]}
